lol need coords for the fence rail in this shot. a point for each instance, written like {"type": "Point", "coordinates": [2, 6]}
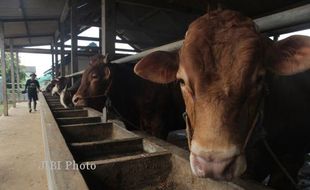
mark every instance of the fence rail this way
{"type": "Point", "coordinates": [18, 94]}
{"type": "Point", "coordinates": [266, 24]}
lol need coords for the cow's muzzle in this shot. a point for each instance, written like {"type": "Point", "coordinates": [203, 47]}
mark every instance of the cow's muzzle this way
{"type": "Point", "coordinates": [225, 165]}
{"type": "Point", "coordinates": [78, 101]}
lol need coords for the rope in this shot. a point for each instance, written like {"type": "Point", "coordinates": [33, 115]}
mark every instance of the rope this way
{"type": "Point", "coordinates": [100, 95]}
{"type": "Point", "coordinates": [277, 161]}
{"type": "Point", "coordinates": [258, 117]}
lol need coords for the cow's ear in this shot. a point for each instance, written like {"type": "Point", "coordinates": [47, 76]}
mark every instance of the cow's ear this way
{"type": "Point", "coordinates": [159, 67]}
{"type": "Point", "coordinates": [107, 73]}
{"type": "Point", "coordinates": [290, 56]}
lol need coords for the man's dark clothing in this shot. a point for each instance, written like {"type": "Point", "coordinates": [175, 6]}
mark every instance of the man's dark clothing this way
{"type": "Point", "coordinates": [32, 86]}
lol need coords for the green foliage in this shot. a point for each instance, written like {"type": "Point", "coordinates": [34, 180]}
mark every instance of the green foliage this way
{"type": "Point", "coordinates": [22, 74]}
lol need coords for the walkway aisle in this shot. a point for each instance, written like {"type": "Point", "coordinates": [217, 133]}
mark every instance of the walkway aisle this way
{"type": "Point", "coordinates": [21, 150]}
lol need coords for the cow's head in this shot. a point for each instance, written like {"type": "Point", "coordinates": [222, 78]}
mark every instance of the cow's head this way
{"type": "Point", "coordinates": [59, 85]}
{"type": "Point", "coordinates": [94, 82]}
{"type": "Point", "coordinates": [220, 68]}
{"type": "Point", "coordinates": [50, 86]}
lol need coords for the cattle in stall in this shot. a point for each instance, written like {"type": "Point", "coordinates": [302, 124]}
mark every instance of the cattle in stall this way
{"type": "Point", "coordinates": [234, 81]}
{"type": "Point", "coordinates": [140, 104]}
{"type": "Point", "coordinates": [65, 91]}
{"type": "Point", "coordinates": [50, 86]}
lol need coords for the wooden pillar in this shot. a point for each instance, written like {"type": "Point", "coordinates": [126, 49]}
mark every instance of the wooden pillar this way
{"type": "Point", "coordinates": [3, 67]}
{"type": "Point", "coordinates": [108, 33]}
{"type": "Point", "coordinates": [53, 62]}
{"type": "Point", "coordinates": [12, 74]}
{"type": "Point", "coordinates": [62, 49]}
{"type": "Point", "coordinates": [74, 40]}
{"type": "Point", "coordinates": [17, 77]}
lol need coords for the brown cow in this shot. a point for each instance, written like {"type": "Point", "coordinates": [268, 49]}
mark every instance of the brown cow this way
{"type": "Point", "coordinates": [221, 69]}
{"type": "Point", "coordinates": [140, 104]}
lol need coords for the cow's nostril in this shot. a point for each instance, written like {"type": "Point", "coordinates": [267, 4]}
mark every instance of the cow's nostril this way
{"type": "Point", "coordinates": [219, 169]}
{"type": "Point", "coordinates": [75, 99]}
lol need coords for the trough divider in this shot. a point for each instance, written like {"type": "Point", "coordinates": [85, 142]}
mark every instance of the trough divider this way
{"type": "Point", "coordinates": [143, 161]}
{"type": "Point", "coordinates": [181, 167]}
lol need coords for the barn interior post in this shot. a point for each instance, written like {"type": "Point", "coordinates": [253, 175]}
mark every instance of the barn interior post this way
{"type": "Point", "coordinates": [56, 61]}
{"type": "Point", "coordinates": [12, 74]}
{"type": "Point", "coordinates": [62, 50]}
{"type": "Point", "coordinates": [108, 34]}
{"type": "Point", "coordinates": [3, 72]}
{"type": "Point", "coordinates": [74, 40]}
{"type": "Point", "coordinates": [100, 40]}
{"type": "Point", "coordinates": [17, 77]}
{"type": "Point", "coordinates": [53, 61]}
{"type": "Point", "coordinates": [56, 58]}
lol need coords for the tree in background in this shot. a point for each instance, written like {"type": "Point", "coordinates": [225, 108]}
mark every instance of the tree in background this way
{"type": "Point", "coordinates": [22, 74]}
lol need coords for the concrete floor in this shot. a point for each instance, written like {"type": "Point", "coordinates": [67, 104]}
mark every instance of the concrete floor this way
{"type": "Point", "coordinates": [21, 150]}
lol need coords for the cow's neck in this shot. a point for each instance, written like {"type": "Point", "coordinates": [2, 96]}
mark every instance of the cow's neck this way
{"type": "Point", "coordinates": [123, 87]}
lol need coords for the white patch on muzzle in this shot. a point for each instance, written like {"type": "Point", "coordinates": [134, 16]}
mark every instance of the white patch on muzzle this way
{"type": "Point", "coordinates": [220, 164]}
{"type": "Point", "coordinates": [55, 90]}
{"type": "Point", "coordinates": [62, 97]}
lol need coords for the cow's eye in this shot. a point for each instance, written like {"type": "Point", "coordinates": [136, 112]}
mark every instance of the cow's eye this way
{"type": "Point", "coordinates": [181, 82]}
{"type": "Point", "coordinates": [260, 79]}
{"type": "Point", "coordinates": [94, 76]}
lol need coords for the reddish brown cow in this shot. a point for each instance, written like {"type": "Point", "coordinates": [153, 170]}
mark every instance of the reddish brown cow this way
{"type": "Point", "coordinates": [221, 70]}
{"type": "Point", "coordinates": [140, 104]}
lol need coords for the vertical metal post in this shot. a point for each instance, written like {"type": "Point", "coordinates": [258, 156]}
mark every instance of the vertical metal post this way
{"type": "Point", "coordinates": [17, 77]}
{"type": "Point", "coordinates": [103, 27]}
{"type": "Point", "coordinates": [57, 62]}
{"type": "Point", "coordinates": [56, 58]}
{"type": "Point", "coordinates": [74, 41]}
{"type": "Point", "coordinates": [108, 34]}
{"type": "Point", "coordinates": [12, 74]}
{"type": "Point", "coordinates": [62, 49]}
{"type": "Point", "coordinates": [3, 67]}
{"type": "Point", "coordinates": [103, 44]}
{"type": "Point", "coordinates": [100, 40]}
{"type": "Point", "coordinates": [53, 63]}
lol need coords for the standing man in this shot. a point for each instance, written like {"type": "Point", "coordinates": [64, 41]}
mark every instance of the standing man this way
{"type": "Point", "coordinates": [32, 85]}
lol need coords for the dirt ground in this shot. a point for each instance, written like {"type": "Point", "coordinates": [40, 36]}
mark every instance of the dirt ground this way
{"type": "Point", "coordinates": [21, 150]}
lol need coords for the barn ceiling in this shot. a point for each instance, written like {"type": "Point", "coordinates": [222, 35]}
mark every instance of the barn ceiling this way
{"type": "Point", "coordinates": [147, 24]}
{"type": "Point", "coordinates": [143, 24]}
{"type": "Point", "coordinates": [30, 22]}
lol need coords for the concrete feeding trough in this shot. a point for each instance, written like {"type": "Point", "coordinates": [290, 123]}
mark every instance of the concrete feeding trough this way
{"type": "Point", "coordinates": [95, 132]}
{"type": "Point", "coordinates": [124, 164]}
{"type": "Point", "coordinates": [107, 156]}
{"type": "Point", "coordinates": [70, 113]}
